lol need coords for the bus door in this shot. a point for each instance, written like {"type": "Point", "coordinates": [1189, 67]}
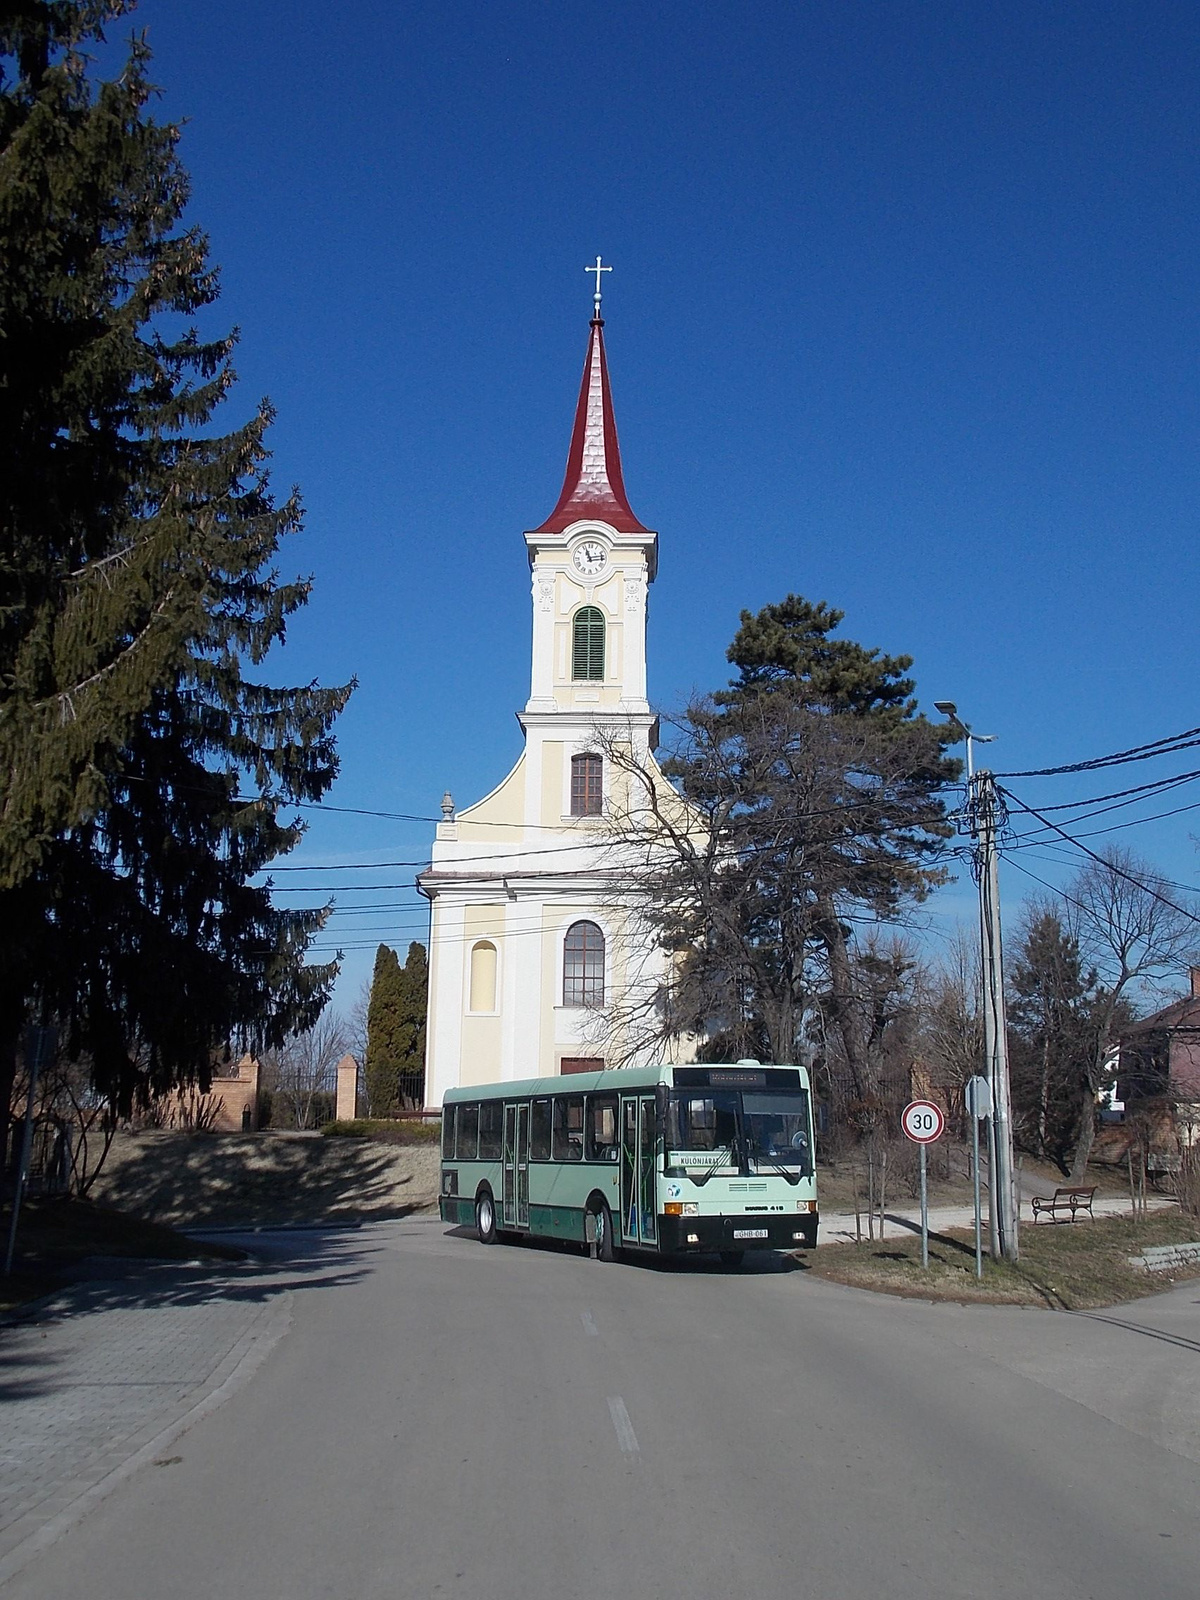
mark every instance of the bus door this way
{"type": "Point", "coordinates": [515, 1207]}
{"type": "Point", "coordinates": [639, 1219]}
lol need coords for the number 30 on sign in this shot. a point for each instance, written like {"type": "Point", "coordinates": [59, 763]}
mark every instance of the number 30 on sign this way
{"type": "Point", "coordinates": [923, 1122]}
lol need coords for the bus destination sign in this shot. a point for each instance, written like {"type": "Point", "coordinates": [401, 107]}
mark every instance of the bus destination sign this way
{"type": "Point", "coordinates": [736, 1078]}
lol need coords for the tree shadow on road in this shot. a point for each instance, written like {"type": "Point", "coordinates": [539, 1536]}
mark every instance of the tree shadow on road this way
{"type": "Point", "coordinates": [290, 1262]}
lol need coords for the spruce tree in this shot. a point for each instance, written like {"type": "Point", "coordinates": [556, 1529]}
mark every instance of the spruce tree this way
{"type": "Point", "coordinates": [1053, 1015]}
{"type": "Point", "coordinates": [143, 770]}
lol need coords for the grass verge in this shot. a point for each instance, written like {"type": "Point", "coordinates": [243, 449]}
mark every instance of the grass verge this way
{"type": "Point", "coordinates": [56, 1233]}
{"type": "Point", "coordinates": [1066, 1266]}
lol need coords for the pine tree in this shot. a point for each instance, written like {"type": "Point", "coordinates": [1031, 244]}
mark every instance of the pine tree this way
{"type": "Point", "coordinates": [789, 646]}
{"type": "Point", "coordinates": [821, 786]}
{"type": "Point", "coordinates": [143, 772]}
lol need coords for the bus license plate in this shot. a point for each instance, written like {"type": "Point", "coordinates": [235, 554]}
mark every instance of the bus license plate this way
{"type": "Point", "coordinates": [750, 1233]}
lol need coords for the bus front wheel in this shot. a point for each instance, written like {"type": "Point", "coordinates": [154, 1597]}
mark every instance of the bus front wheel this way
{"type": "Point", "coordinates": [732, 1258]}
{"type": "Point", "coordinates": [604, 1231]}
{"type": "Point", "coordinates": [485, 1218]}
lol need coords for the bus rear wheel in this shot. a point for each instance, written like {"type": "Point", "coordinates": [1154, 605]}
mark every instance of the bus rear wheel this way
{"type": "Point", "coordinates": [603, 1249]}
{"type": "Point", "coordinates": [732, 1258]}
{"type": "Point", "coordinates": [485, 1218]}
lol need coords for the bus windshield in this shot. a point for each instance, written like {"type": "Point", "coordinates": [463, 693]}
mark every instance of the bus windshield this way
{"type": "Point", "coordinates": [722, 1130]}
{"type": "Point", "coordinates": [776, 1130]}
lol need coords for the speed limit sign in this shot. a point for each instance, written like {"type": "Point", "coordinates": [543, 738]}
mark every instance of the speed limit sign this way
{"type": "Point", "coordinates": [923, 1122]}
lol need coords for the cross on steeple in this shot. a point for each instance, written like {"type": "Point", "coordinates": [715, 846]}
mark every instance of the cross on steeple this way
{"type": "Point", "coordinates": [597, 269]}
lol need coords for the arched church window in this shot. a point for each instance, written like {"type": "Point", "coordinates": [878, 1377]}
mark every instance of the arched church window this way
{"type": "Point", "coordinates": [583, 965]}
{"type": "Point", "coordinates": [587, 646]}
{"type": "Point", "coordinates": [483, 976]}
{"type": "Point", "coordinates": [587, 786]}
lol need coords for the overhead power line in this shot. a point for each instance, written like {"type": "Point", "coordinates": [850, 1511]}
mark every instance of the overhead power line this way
{"type": "Point", "coordinates": [1138, 752]}
{"type": "Point", "coordinates": [1109, 866]}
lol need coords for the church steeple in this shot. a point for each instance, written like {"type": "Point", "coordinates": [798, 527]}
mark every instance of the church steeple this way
{"type": "Point", "coordinates": [594, 487]}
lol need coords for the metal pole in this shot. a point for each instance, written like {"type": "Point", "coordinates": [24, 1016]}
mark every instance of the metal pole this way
{"type": "Point", "coordinates": [924, 1214]}
{"type": "Point", "coordinates": [26, 1143]}
{"type": "Point", "coordinates": [975, 812]}
{"type": "Point", "coordinates": [975, 1175]}
{"type": "Point", "coordinates": [989, 890]}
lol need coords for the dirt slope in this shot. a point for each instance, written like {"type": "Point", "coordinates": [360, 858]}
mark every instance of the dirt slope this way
{"type": "Point", "coordinates": [264, 1179]}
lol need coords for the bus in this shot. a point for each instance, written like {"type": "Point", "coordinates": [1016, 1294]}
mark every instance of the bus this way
{"type": "Point", "coordinates": [672, 1160]}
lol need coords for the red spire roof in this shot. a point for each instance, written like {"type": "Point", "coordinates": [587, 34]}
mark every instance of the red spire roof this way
{"type": "Point", "coordinates": [593, 486]}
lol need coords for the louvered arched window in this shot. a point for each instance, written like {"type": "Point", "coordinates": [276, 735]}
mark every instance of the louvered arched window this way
{"type": "Point", "coordinates": [583, 965]}
{"type": "Point", "coordinates": [587, 644]}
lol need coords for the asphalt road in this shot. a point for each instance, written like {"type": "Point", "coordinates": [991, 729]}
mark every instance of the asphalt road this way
{"type": "Point", "coordinates": [448, 1420]}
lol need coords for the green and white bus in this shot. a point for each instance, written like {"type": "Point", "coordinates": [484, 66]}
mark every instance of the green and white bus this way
{"type": "Point", "coordinates": [668, 1159]}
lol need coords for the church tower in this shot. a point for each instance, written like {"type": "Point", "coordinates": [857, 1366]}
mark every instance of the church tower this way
{"type": "Point", "coordinates": [526, 949]}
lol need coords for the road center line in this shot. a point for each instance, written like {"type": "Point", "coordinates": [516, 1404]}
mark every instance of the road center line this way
{"type": "Point", "coordinates": [589, 1325]}
{"type": "Point", "coordinates": [626, 1437]}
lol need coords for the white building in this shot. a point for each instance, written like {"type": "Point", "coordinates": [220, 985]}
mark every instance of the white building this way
{"type": "Point", "coordinates": [529, 954]}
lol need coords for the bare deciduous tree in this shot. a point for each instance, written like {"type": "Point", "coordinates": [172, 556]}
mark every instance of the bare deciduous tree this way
{"type": "Point", "coordinates": [1133, 927]}
{"type": "Point", "coordinates": [75, 1123]}
{"type": "Point", "coordinates": [303, 1067]}
{"type": "Point", "coordinates": [953, 1011]}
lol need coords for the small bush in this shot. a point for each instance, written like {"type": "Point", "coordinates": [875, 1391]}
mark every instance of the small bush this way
{"type": "Point", "coordinates": [385, 1130]}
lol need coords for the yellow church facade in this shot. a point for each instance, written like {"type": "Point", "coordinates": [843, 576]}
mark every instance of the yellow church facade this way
{"type": "Point", "coordinates": [536, 961]}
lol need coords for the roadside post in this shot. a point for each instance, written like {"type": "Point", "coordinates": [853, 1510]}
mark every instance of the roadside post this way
{"type": "Point", "coordinates": [40, 1045]}
{"type": "Point", "coordinates": [922, 1121]}
{"type": "Point", "coordinates": [979, 1105]}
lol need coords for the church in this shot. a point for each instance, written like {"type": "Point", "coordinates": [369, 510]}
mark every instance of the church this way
{"type": "Point", "coordinates": [532, 955]}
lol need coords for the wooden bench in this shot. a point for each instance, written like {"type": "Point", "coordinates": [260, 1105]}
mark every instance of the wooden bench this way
{"type": "Point", "coordinates": [1071, 1201]}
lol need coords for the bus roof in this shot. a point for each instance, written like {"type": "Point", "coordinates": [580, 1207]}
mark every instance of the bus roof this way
{"type": "Point", "coordinates": [714, 1074]}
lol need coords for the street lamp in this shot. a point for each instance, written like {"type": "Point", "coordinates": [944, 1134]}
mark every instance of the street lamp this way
{"type": "Point", "coordinates": [949, 709]}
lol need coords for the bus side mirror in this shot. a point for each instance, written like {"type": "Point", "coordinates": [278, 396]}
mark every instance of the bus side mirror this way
{"type": "Point", "coordinates": [660, 1108]}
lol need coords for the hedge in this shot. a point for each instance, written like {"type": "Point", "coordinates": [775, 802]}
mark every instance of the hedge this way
{"type": "Point", "coordinates": [385, 1130]}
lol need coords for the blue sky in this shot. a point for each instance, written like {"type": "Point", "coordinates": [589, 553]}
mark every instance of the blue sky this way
{"type": "Point", "coordinates": [903, 317]}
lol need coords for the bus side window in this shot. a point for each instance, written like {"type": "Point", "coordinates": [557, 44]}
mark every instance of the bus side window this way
{"type": "Point", "coordinates": [539, 1131]}
{"type": "Point", "coordinates": [448, 1132]}
{"type": "Point", "coordinates": [491, 1125]}
{"type": "Point", "coordinates": [468, 1132]}
{"type": "Point", "coordinates": [601, 1127]}
{"type": "Point", "coordinates": [568, 1127]}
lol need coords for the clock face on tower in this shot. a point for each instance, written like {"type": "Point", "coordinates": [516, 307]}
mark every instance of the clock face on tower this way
{"type": "Point", "coordinates": [589, 558]}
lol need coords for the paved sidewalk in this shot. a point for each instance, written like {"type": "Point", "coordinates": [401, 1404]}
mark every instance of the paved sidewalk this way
{"type": "Point", "coordinates": [102, 1378]}
{"type": "Point", "coordinates": [838, 1226]}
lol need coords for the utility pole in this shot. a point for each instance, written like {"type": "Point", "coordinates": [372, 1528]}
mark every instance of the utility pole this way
{"type": "Point", "coordinates": [984, 812]}
{"type": "Point", "coordinates": [982, 817]}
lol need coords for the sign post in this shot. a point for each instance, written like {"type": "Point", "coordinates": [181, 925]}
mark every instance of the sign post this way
{"type": "Point", "coordinates": [923, 1122]}
{"type": "Point", "coordinates": [979, 1104]}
